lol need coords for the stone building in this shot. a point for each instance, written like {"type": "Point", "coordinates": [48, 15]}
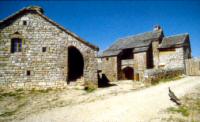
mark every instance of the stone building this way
{"type": "Point", "coordinates": [37, 52]}
{"type": "Point", "coordinates": [129, 57]}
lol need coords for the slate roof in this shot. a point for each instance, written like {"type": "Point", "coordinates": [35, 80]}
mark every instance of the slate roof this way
{"type": "Point", "coordinates": [38, 10]}
{"type": "Point", "coordinates": [140, 42]}
{"type": "Point", "coordinates": [174, 41]}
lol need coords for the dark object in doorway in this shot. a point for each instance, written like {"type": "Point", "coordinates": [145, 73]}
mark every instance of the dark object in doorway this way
{"type": "Point", "coordinates": [103, 81]}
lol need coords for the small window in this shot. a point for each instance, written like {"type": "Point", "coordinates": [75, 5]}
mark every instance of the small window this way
{"type": "Point", "coordinates": [24, 22]}
{"type": "Point", "coordinates": [107, 59]}
{"type": "Point", "coordinates": [16, 45]}
{"type": "Point", "coordinates": [44, 49]}
{"type": "Point", "coordinates": [28, 73]}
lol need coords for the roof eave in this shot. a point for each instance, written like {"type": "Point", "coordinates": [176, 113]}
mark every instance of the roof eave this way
{"type": "Point", "coordinates": [174, 46]}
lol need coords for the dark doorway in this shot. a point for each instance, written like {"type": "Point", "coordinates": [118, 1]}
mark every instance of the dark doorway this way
{"type": "Point", "coordinates": [75, 64]}
{"type": "Point", "coordinates": [128, 73]}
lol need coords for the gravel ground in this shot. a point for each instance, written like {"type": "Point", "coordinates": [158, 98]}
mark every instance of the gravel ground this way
{"type": "Point", "coordinates": [135, 106]}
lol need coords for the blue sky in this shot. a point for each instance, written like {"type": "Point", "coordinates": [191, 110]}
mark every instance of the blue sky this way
{"type": "Point", "coordinates": [103, 22]}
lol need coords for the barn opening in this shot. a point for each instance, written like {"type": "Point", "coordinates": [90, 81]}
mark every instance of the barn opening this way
{"type": "Point", "coordinates": [75, 64]}
{"type": "Point", "coordinates": [128, 73]}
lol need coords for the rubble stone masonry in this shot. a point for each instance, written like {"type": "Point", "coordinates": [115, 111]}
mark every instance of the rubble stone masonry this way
{"type": "Point", "coordinates": [33, 68]}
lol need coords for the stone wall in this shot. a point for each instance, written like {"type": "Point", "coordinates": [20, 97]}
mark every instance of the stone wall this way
{"type": "Point", "coordinates": [140, 64]}
{"type": "Point", "coordinates": [155, 45]}
{"type": "Point", "coordinates": [46, 68]}
{"type": "Point", "coordinates": [110, 67]}
{"type": "Point", "coordinates": [113, 67]}
{"type": "Point", "coordinates": [192, 66]}
{"type": "Point", "coordinates": [171, 58]}
{"type": "Point", "coordinates": [152, 76]}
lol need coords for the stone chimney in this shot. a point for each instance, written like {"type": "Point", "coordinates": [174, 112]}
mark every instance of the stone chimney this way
{"type": "Point", "coordinates": [156, 28]}
{"type": "Point", "coordinates": [36, 8]}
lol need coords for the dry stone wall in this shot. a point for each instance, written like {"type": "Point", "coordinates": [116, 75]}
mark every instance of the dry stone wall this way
{"type": "Point", "coordinates": [152, 76]}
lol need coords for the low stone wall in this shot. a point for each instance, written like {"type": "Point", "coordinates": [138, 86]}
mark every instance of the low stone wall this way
{"type": "Point", "coordinates": [192, 66]}
{"type": "Point", "coordinates": [154, 75]}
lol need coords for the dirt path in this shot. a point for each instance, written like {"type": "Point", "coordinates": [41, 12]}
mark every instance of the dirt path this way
{"type": "Point", "coordinates": [136, 106]}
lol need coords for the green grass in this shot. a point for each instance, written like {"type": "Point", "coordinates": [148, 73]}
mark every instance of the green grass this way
{"type": "Point", "coordinates": [18, 94]}
{"type": "Point", "coordinates": [12, 112]}
{"type": "Point", "coordinates": [20, 97]}
{"type": "Point", "coordinates": [165, 80]}
{"type": "Point", "coordinates": [89, 89]}
{"type": "Point", "coordinates": [181, 109]}
{"type": "Point", "coordinates": [35, 91]}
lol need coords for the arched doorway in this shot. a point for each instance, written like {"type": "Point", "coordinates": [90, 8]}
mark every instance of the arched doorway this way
{"type": "Point", "coordinates": [128, 73]}
{"type": "Point", "coordinates": [75, 64]}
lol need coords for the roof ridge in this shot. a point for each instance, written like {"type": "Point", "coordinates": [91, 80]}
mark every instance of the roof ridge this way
{"type": "Point", "coordinates": [181, 34]}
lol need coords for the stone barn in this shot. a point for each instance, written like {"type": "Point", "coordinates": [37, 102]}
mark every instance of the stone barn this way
{"type": "Point", "coordinates": [37, 52]}
{"type": "Point", "coordinates": [130, 57]}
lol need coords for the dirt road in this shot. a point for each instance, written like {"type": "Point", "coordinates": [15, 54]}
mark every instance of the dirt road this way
{"type": "Point", "coordinates": [136, 106]}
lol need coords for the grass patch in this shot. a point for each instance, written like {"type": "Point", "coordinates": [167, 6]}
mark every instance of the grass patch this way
{"type": "Point", "coordinates": [12, 112]}
{"type": "Point", "coordinates": [18, 94]}
{"type": "Point", "coordinates": [35, 91]}
{"type": "Point", "coordinates": [155, 82]}
{"type": "Point", "coordinates": [189, 110]}
{"type": "Point", "coordinates": [182, 110]}
{"type": "Point", "coordinates": [198, 105]}
{"type": "Point", "coordinates": [8, 113]}
{"type": "Point", "coordinates": [170, 79]}
{"type": "Point", "coordinates": [89, 89]}
{"type": "Point", "coordinates": [19, 103]}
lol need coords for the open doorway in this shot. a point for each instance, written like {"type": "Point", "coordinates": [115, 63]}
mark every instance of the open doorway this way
{"type": "Point", "coordinates": [128, 73]}
{"type": "Point", "coordinates": [75, 64]}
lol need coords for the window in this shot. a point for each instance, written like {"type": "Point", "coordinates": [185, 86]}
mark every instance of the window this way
{"type": "Point", "coordinates": [24, 22]}
{"type": "Point", "coordinates": [127, 54]}
{"type": "Point", "coordinates": [44, 49]}
{"type": "Point", "coordinates": [28, 73]}
{"type": "Point", "coordinates": [16, 45]}
{"type": "Point", "coordinates": [107, 58]}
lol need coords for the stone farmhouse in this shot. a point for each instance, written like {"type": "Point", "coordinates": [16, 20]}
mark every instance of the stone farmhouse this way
{"type": "Point", "coordinates": [37, 52]}
{"type": "Point", "coordinates": [130, 57]}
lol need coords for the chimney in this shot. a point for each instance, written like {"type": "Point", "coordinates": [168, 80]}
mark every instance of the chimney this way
{"type": "Point", "coordinates": [36, 8]}
{"type": "Point", "coordinates": [156, 28]}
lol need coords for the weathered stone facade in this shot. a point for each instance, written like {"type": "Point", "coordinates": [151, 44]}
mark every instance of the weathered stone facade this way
{"type": "Point", "coordinates": [172, 58]}
{"type": "Point", "coordinates": [150, 50]}
{"type": "Point", "coordinates": [43, 59]}
{"type": "Point", "coordinates": [112, 71]}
